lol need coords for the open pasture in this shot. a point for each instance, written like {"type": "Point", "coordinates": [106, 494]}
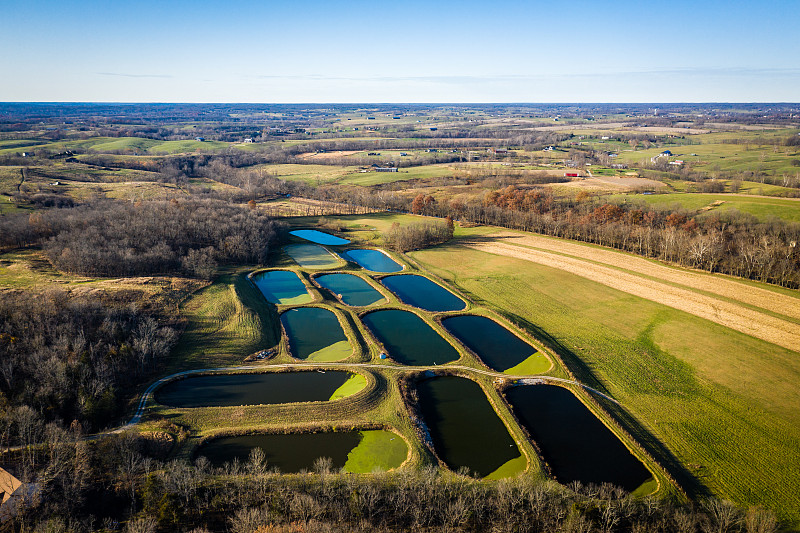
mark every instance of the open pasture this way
{"type": "Point", "coordinates": [704, 204]}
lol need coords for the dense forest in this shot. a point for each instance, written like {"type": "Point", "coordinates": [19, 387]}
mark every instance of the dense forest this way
{"type": "Point", "coordinates": [124, 239]}
{"type": "Point", "coordinates": [65, 359]}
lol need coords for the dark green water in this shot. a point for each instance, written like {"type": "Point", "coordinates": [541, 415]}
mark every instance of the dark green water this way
{"type": "Point", "coordinates": [408, 339]}
{"type": "Point", "coordinates": [495, 345]}
{"type": "Point", "coordinates": [421, 292]}
{"type": "Point", "coordinates": [576, 445]}
{"type": "Point", "coordinates": [280, 286]}
{"type": "Point", "coordinates": [466, 431]}
{"type": "Point", "coordinates": [311, 329]}
{"type": "Point", "coordinates": [289, 453]}
{"type": "Point", "coordinates": [352, 289]}
{"type": "Point", "coordinates": [251, 389]}
{"type": "Point", "coordinates": [373, 260]}
{"type": "Point", "coordinates": [319, 237]}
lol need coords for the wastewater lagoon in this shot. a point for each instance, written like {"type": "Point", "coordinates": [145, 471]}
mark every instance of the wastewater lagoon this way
{"type": "Point", "coordinates": [374, 260]}
{"type": "Point", "coordinates": [311, 256]}
{"type": "Point", "coordinates": [319, 237]}
{"type": "Point", "coordinates": [281, 287]}
{"type": "Point", "coordinates": [355, 451]}
{"type": "Point", "coordinates": [408, 339]}
{"type": "Point", "coordinates": [351, 289]}
{"type": "Point", "coordinates": [466, 431]}
{"type": "Point", "coordinates": [499, 348]}
{"type": "Point", "coordinates": [573, 441]}
{"type": "Point", "coordinates": [315, 334]}
{"type": "Point", "coordinates": [222, 390]}
{"type": "Point", "coordinates": [421, 292]}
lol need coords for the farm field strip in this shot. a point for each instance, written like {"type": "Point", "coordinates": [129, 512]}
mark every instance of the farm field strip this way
{"type": "Point", "coordinates": [736, 290]}
{"type": "Point", "coordinates": [736, 317]}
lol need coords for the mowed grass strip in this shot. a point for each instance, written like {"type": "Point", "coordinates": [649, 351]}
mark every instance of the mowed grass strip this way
{"type": "Point", "coordinates": [771, 298]}
{"type": "Point", "coordinates": [741, 318]}
{"type": "Point", "coordinates": [724, 404]}
{"type": "Point", "coordinates": [226, 321]}
{"type": "Point", "coordinates": [707, 204]}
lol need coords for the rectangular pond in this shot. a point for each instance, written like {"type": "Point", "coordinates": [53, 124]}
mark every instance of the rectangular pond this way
{"type": "Point", "coordinates": [499, 348]}
{"type": "Point", "coordinates": [465, 429]}
{"type": "Point", "coordinates": [573, 441]}
{"type": "Point", "coordinates": [421, 292]}
{"type": "Point", "coordinates": [221, 390]}
{"type": "Point", "coordinates": [319, 237]}
{"type": "Point", "coordinates": [354, 451]}
{"type": "Point", "coordinates": [408, 339]}
{"type": "Point", "coordinates": [281, 287]}
{"type": "Point", "coordinates": [351, 289]}
{"type": "Point", "coordinates": [312, 256]}
{"type": "Point", "coordinates": [315, 334]}
{"type": "Point", "coordinates": [374, 260]}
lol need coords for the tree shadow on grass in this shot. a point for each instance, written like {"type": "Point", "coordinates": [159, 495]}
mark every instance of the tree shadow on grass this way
{"type": "Point", "coordinates": [585, 375]}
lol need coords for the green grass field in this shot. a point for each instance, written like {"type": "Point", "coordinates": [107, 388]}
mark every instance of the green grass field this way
{"type": "Point", "coordinates": [404, 174]}
{"type": "Point", "coordinates": [762, 208]}
{"type": "Point", "coordinates": [711, 157]}
{"type": "Point", "coordinates": [313, 174]}
{"type": "Point", "coordinates": [226, 321]}
{"type": "Point", "coordinates": [121, 144]}
{"type": "Point", "coordinates": [724, 405]}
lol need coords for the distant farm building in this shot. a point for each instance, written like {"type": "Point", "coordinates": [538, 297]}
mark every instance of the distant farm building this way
{"type": "Point", "coordinates": [384, 169]}
{"type": "Point", "coordinates": [498, 150]}
{"type": "Point", "coordinates": [248, 140]}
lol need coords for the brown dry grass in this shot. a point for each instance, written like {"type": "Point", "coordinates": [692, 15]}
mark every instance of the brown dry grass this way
{"type": "Point", "coordinates": [327, 155]}
{"type": "Point", "coordinates": [730, 314]}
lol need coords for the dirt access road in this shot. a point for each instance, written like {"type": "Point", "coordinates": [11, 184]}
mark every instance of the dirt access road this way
{"type": "Point", "coordinates": [726, 301]}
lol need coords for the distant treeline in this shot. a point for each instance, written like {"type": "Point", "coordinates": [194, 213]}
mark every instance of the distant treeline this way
{"type": "Point", "coordinates": [124, 239]}
{"type": "Point", "coordinates": [729, 242]}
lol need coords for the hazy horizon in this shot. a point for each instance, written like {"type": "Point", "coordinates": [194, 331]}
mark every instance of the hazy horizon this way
{"type": "Point", "coordinates": [418, 52]}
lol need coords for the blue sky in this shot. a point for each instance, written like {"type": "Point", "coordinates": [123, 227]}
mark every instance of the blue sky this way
{"type": "Point", "coordinates": [328, 51]}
